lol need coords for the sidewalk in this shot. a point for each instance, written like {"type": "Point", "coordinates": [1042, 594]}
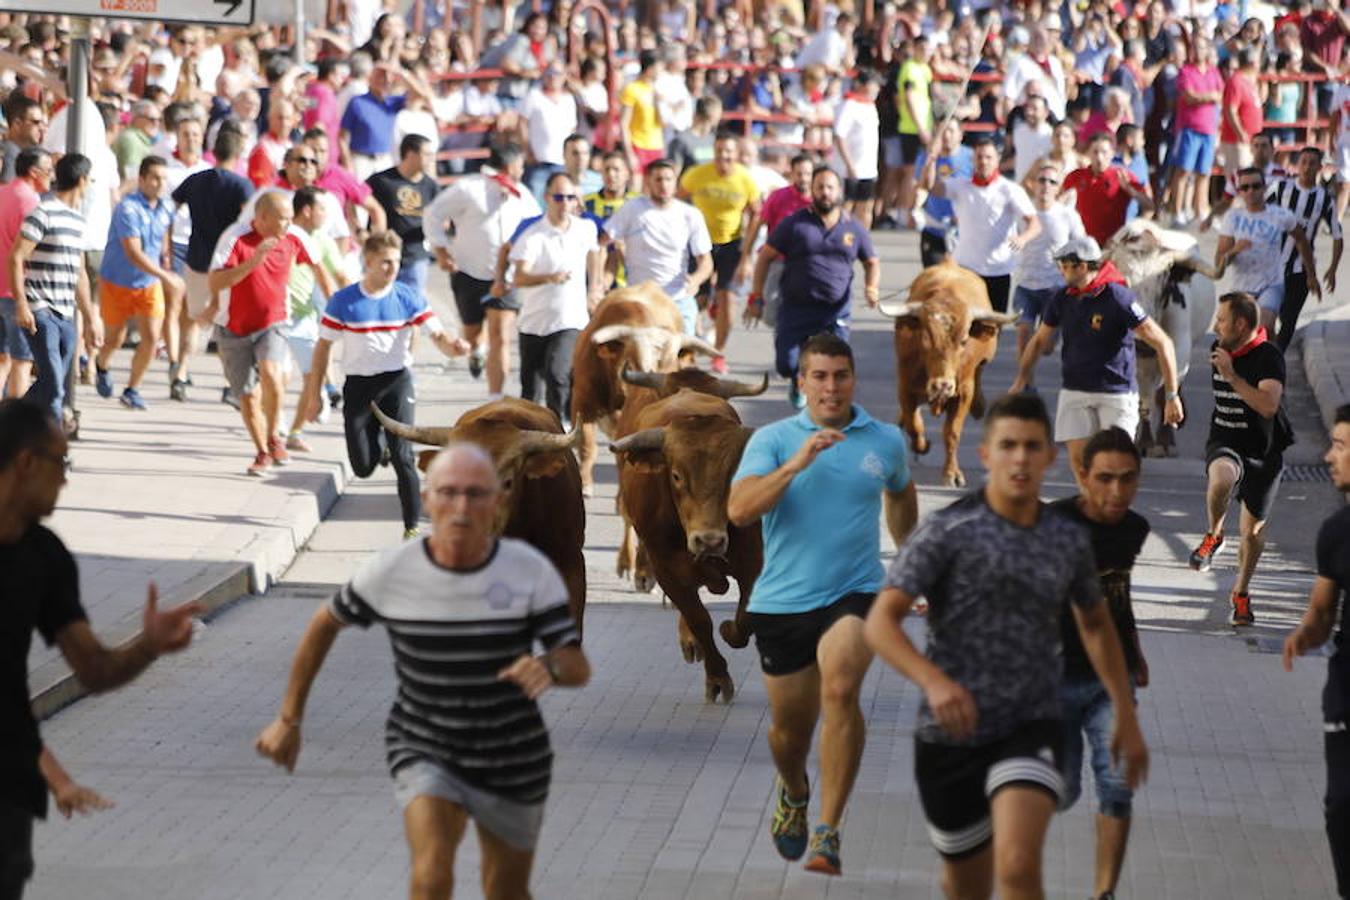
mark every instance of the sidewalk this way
{"type": "Point", "coordinates": [1326, 359]}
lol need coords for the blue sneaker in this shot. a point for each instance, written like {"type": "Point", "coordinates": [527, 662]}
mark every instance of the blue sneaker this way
{"type": "Point", "coordinates": [824, 856]}
{"type": "Point", "coordinates": [103, 382]}
{"type": "Point", "coordinates": [131, 399]}
{"type": "Point", "coordinates": [795, 396]}
{"type": "Point", "coordinates": [788, 826]}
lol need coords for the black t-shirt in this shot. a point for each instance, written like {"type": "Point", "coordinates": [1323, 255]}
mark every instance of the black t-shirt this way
{"type": "Point", "coordinates": [1234, 424]}
{"type": "Point", "coordinates": [1333, 562]}
{"type": "Point", "coordinates": [403, 202]}
{"type": "Point", "coordinates": [1115, 548]}
{"type": "Point", "coordinates": [39, 589]}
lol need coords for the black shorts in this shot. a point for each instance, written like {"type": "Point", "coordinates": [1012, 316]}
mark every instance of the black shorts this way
{"type": "Point", "coordinates": [726, 257]}
{"type": "Point", "coordinates": [1258, 479]}
{"type": "Point", "coordinates": [787, 641]}
{"type": "Point", "coordinates": [956, 783]}
{"type": "Point", "coordinates": [860, 189]}
{"type": "Point", "coordinates": [999, 287]}
{"type": "Point", "coordinates": [910, 148]}
{"type": "Point", "coordinates": [473, 300]}
{"type": "Point", "coordinates": [16, 849]}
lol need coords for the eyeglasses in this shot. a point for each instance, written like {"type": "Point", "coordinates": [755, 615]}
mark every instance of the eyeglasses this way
{"type": "Point", "coordinates": [1048, 180]}
{"type": "Point", "coordinates": [61, 460]}
{"type": "Point", "coordinates": [1251, 186]}
{"type": "Point", "coordinates": [563, 198]}
{"type": "Point", "coordinates": [472, 494]}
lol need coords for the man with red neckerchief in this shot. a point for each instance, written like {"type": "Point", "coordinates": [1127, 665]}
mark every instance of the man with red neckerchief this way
{"type": "Point", "coordinates": [1248, 434]}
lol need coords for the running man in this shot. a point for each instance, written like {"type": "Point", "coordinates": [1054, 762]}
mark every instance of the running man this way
{"type": "Point", "coordinates": [1109, 482]}
{"type": "Point", "coordinates": [458, 605]}
{"type": "Point", "coordinates": [998, 570]}
{"type": "Point", "coordinates": [374, 319]}
{"type": "Point", "coordinates": [1248, 434]}
{"type": "Point", "coordinates": [1326, 607]}
{"type": "Point", "coordinates": [830, 463]}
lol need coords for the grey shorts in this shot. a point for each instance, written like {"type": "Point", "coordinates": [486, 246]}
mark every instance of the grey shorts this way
{"type": "Point", "coordinates": [515, 823]}
{"type": "Point", "coordinates": [239, 354]}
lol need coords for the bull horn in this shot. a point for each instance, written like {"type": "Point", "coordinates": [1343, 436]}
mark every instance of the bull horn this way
{"type": "Point", "coordinates": [612, 333]}
{"type": "Point", "coordinates": [653, 380]}
{"type": "Point", "coordinates": [899, 310]}
{"type": "Point", "coordinates": [730, 387]}
{"type": "Point", "coordinates": [545, 441]}
{"type": "Point", "coordinates": [697, 344]}
{"type": "Point", "coordinates": [990, 317]}
{"type": "Point", "coordinates": [436, 437]}
{"type": "Point", "coordinates": [646, 439]}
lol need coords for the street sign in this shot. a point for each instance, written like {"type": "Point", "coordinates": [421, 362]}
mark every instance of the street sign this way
{"type": "Point", "coordinates": [196, 12]}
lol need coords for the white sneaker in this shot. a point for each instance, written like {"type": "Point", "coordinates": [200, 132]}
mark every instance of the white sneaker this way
{"type": "Point", "coordinates": [325, 413]}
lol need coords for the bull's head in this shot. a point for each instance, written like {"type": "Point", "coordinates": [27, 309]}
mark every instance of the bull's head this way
{"type": "Point", "coordinates": [519, 454]}
{"type": "Point", "coordinates": [645, 348]}
{"type": "Point", "coordinates": [667, 383]}
{"type": "Point", "coordinates": [943, 330]}
{"type": "Point", "coordinates": [698, 455]}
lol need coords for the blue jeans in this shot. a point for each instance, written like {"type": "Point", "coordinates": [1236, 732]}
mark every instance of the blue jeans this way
{"type": "Point", "coordinates": [537, 176]}
{"type": "Point", "coordinates": [53, 349]}
{"type": "Point", "coordinates": [787, 342]}
{"type": "Point", "coordinates": [413, 273]}
{"type": "Point", "coordinates": [13, 339]}
{"type": "Point", "coordinates": [1088, 710]}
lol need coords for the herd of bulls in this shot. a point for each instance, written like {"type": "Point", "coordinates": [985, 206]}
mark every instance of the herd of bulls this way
{"type": "Point", "coordinates": [678, 439]}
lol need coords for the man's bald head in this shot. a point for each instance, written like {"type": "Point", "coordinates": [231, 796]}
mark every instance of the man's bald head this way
{"type": "Point", "coordinates": [464, 461]}
{"type": "Point", "coordinates": [272, 216]}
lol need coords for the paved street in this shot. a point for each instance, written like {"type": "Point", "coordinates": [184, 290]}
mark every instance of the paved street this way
{"type": "Point", "coordinates": [658, 795]}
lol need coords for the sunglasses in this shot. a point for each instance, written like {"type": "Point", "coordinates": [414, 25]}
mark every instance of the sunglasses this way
{"type": "Point", "coordinates": [305, 160]}
{"type": "Point", "coordinates": [563, 198]}
{"type": "Point", "coordinates": [1251, 186]}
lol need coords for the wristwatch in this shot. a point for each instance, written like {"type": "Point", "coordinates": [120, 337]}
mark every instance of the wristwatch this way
{"type": "Point", "coordinates": [1172, 395]}
{"type": "Point", "coordinates": [550, 666]}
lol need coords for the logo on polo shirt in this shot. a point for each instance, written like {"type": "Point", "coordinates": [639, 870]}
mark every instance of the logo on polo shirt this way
{"type": "Point", "coordinates": [872, 465]}
{"type": "Point", "coordinates": [1097, 321]}
{"type": "Point", "coordinates": [847, 239]}
{"type": "Point", "coordinates": [499, 596]}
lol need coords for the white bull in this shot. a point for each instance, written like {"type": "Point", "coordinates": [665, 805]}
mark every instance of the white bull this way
{"type": "Point", "coordinates": [1176, 288]}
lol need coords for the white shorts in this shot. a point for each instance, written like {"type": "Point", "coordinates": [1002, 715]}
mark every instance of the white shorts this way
{"type": "Point", "coordinates": [1082, 414]}
{"type": "Point", "coordinates": [198, 291]}
{"type": "Point", "coordinates": [1343, 161]}
{"type": "Point", "coordinates": [516, 823]}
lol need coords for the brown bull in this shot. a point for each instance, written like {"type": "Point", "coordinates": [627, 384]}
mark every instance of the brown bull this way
{"type": "Point", "coordinates": [541, 483]}
{"type": "Point", "coordinates": [650, 387]}
{"type": "Point", "coordinates": [638, 327]}
{"type": "Point", "coordinates": [674, 479]}
{"type": "Point", "coordinates": [944, 335]}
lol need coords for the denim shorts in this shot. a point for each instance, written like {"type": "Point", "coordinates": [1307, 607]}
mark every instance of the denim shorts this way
{"type": "Point", "coordinates": [1271, 297]}
{"type": "Point", "coordinates": [1195, 152]}
{"type": "Point", "coordinates": [13, 342]}
{"type": "Point", "coordinates": [1030, 303]}
{"type": "Point", "coordinates": [1088, 711]}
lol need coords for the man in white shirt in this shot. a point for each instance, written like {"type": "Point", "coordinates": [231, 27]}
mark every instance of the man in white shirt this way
{"type": "Point", "coordinates": [549, 112]}
{"type": "Point", "coordinates": [674, 103]}
{"type": "Point", "coordinates": [1031, 135]}
{"type": "Point", "coordinates": [485, 209]}
{"type": "Point", "coordinates": [856, 130]}
{"type": "Point", "coordinates": [654, 238]}
{"type": "Point", "coordinates": [1037, 273]}
{"type": "Point", "coordinates": [1038, 65]}
{"type": "Point", "coordinates": [556, 259]}
{"type": "Point", "coordinates": [830, 47]}
{"type": "Point", "coordinates": [995, 219]}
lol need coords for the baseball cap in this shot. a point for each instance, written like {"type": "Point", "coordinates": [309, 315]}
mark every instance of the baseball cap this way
{"type": "Point", "coordinates": [1083, 249]}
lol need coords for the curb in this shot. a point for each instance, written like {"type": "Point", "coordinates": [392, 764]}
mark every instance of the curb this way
{"type": "Point", "coordinates": [1330, 382]}
{"type": "Point", "coordinates": [54, 686]}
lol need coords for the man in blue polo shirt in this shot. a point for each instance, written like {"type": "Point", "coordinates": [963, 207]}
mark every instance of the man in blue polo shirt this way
{"type": "Point", "coordinates": [817, 481]}
{"type": "Point", "coordinates": [367, 127]}
{"type": "Point", "coordinates": [818, 246]}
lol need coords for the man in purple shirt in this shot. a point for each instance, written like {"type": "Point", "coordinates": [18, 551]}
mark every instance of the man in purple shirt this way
{"type": "Point", "coordinates": [818, 246]}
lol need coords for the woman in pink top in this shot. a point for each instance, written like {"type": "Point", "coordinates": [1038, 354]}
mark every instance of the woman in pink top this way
{"type": "Point", "coordinates": [1199, 92]}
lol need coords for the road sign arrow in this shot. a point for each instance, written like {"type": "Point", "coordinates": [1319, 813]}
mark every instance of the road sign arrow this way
{"type": "Point", "coordinates": [231, 4]}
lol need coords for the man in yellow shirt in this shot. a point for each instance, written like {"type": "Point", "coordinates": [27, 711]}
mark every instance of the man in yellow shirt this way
{"type": "Point", "coordinates": [914, 102]}
{"type": "Point", "coordinates": [724, 192]}
{"type": "Point", "coordinates": [639, 122]}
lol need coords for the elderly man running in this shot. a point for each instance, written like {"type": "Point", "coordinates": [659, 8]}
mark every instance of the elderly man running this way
{"type": "Point", "coordinates": [460, 604]}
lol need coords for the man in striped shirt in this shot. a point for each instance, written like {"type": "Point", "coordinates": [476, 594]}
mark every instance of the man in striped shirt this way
{"type": "Point", "coordinates": [1313, 205]}
{"type": "Point", "coordinates": [464, 738]}
{"type": "Point", "coordinates": [46, 270]}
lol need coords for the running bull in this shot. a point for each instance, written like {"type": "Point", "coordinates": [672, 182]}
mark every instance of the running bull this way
{"type": "Point", "coordinates": [945, 333]}
{"type": "Point", "coordinates": [540, 479]}
{"type": "Point", "coordinates": [673, 483]}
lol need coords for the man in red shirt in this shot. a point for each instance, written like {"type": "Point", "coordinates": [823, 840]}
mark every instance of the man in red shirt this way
{"type": "Point", "coordinates": [785, 201]}
{"type": "Point", "coordinates": [1105, 190]}
{"type": "Point", "coordinates": [1322, 33]}
{"type": "Point", "coordinates": [264, 163]}
{"type": "Point", "coordinates": [250, 270]}
{"type": "Point", "coordinates": [1241, 117]}
{"type": "Point", "coordinates": [33, 177]}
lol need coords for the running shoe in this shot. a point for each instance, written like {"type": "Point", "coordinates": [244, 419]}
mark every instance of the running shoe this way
{"type": "Point", "coordinates": [476, 361]}
{"type": "Point", "coordinates": [86, 371]}
{"type": "Point", "coordinates": [296, 441]}
{"type": "Point", "coordinates": [719, 365]}
{"type": "Point", "coordinates": [261, 463]}
{"type": "Point", "coordinates": [178, 390]}
{"type": "Point", "coordinates": [1242, 609]}
{"type": "Point", "coordinates": [823, 856]}
{"type": "Point", "coordinates": [131, 399]}
{"type": "Point", "coordinates": [103, 382]}
{"type": "Point", "coordinates": [411, 533]}
{"type": "Point", "coordinates": [788, 828]}
{"type": "Point", "coordinates": [276, 448]}
{"type": "Point", "coordinates": [795, 395]}
{"type": "Point", "coordinates": [1202, 557]}
{"type": "Point", "coordinates": [334, 396]}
